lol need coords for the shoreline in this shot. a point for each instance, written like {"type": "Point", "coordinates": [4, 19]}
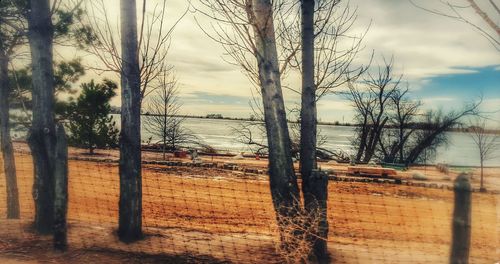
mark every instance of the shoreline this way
{"type": "Point", "coordinates": [247, 155]}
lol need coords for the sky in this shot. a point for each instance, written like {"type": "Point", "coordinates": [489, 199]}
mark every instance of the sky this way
{"type": "Point", "coordinates": [446, 63]}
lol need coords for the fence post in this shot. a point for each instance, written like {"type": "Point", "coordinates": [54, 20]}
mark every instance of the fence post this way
{"type": "Point", "coordinates": [61, 191]}
{"type": "Point", "coordinates": [461, 222]}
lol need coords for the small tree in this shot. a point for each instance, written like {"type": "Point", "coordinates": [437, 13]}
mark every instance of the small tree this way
{"type": "Point", "coordinates": [164, 121]}
{"type": "Point", "coordinates": [90, 125]}
{"type": "Point", "coordinates": [487, 142]}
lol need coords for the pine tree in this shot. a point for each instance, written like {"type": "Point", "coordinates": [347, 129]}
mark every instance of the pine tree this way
{"type": "Point", "coordinates": [90, 123]}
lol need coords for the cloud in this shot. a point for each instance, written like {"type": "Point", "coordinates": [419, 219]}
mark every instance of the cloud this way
{"type": "Point", "coordinates": [433, 100]}
{"type": "Point", "coordinates": [425, 46]}
{"type": "Point", "coordinates": [213, 98]}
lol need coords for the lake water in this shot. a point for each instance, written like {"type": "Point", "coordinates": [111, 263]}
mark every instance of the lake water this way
{"type": "Point", "coordinates": [221, 135]}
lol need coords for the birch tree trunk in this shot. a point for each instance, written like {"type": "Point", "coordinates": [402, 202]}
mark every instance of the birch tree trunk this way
{"type": "Point", "coordinates": [42, 133]}
{"type": "Point", "coordinates": [130, 215]}
{"type": "Point", "coordinates": [313, 189]}
{"type": "Point", "coordinates": [283, 181]}
{"type": "Point", "coordinates": [9, 162]}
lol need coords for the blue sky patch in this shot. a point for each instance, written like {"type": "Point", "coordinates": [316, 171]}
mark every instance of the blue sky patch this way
{"type": "Point", "coordinates": [463, 86]}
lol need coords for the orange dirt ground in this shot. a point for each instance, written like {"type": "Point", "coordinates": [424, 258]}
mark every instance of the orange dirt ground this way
{"type": "Point", "coordinates": [192, 213]}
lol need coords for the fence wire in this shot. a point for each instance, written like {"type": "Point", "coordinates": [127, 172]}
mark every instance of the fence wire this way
{"type": "Point", "coordinates": [217, 212]}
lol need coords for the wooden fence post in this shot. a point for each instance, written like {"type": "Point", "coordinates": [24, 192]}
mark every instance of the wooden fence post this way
{"type": "Point", "coordinates": [61, 191]}
{"type": "Point", "coordinates": [461, 222]}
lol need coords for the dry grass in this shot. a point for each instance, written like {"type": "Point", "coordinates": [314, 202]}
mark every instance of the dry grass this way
{"type": "Point", "coordinates": [297, 235]}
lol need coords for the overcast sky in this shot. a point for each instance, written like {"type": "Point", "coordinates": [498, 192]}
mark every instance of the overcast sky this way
{"type": "Point", "coordinates": [445, 62]}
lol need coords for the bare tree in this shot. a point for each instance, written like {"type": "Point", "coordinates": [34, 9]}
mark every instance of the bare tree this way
{"type": "Point", "coordinates": [336, 46]}
{"type": "Point", "coordinates": [130, 211]}
{"type": "Point", "coordinates": [308, 133]}
{"type": "Point", "coordinates": [284, 185]}
{"type": "Point", "coordinates": [390, 124]}
{"type": "Point", "coordinates": [140, 60]}
{"type": "Point", "coordinates": [312, 45]}
{"type": "Point", "coordinates": [371, 100]}
{"type": "Point", "coordinates": [403, 113]}
{"type": "Point", "coordinates": [164, 120]}
{"type": "Point", "coordinates": [245, 28]}
{"type": "Point", "coordinates": [460, 10]}
{"type": "Point", "coordinates": [153, 42]}
{"type": "Point", "coordinates": [487, 142]}
{"type": "Point", "coordinates": [308, 110]}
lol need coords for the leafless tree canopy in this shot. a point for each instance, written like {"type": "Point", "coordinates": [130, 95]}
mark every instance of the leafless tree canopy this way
{"type": "Point", "coordinates": [154, 41]}
{"type": "Point", "coordinates": [336, 45]}
{"type": "Point", "coordinates": [371, 99]}
{"type": "Point", "coordinates": [245, 28]}
{"type": "Point", "coordinates": [461, 11]}
{"type": "Point", "coordinates": [391, 127]}
{"type": "Point", "coordinates": [336, 48]}
{"type": "Point", "coordinates": [164, 121]}
{"type": "Point", "coordinates": [403, 112]}
{"type": "Point", "coordinates": [486, 142]}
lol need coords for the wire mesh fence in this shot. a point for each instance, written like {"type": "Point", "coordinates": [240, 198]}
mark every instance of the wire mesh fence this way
{"type": "Point", "coordinates": [216, 212]}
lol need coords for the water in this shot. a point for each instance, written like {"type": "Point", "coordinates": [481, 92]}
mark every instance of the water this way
{"type": "Point", "coordinates": [221, 135]}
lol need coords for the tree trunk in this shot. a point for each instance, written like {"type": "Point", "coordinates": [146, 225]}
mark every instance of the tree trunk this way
{"type": "Point", "coordinates": [318, 211]}
{"type": "Point", "coordinates": [481, 188]}
{"type": "Point", "coordinates": [130, 212]}
{"type": "Point", "coordinates": [165, 104]}
{"type": "Point", "coordinates": [283, 181]}
{"type": "Point", "coordinates": [374, 139]}
{"type": "Point", "coordinates": [164, 150]}
{"type": "Point", "coordinates": [362, 141]}
{"type": "Point", "coordinates": [308, 110]}
{"type": "Point", "coordinates": [41, 136]}
{"type": "Point", "coordinates": [9, 162]}
{"type": "Point", "coordinates": [313, 189]}
{"type": "Point", "coordinates": [415, 152]}
{"type": "Point", "coordinates": [401, 144]}
{"type": "Point", "coordinates": [61, 191]}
